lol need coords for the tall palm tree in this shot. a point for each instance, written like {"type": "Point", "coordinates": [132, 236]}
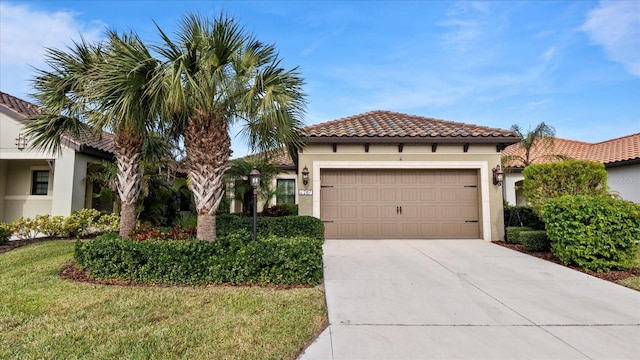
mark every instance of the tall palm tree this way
{"type": "Point", "coordinates": [541, 137]}
{"type": "Point", "coordinates": [92, 87]}
{"type": "Point", "coordinates": [215, 75]}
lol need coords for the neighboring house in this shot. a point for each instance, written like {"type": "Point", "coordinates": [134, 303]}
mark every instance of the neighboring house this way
{"type": "Point", "coordinates": [35, 182]}
{"type": "Point", "coordinates": [387, 175]}
{"type": "Point", "coordinates": [620, 156]}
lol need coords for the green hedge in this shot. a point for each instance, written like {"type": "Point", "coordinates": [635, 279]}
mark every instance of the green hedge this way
{"type": "Point", "coordinates": [535, 240]}
{"type": "Point", "coordinates": [285, 226]}
{"type": "Point", "coordinates": [597, 233]}
{"type": "Point", "coordinates": [522, 216]}
{"type": "Point", "coordinates": [232, 259]}
{"type": "Point", "coordinates": [5, 233]}
{"type": "Point", "coordinates": [513, 233]}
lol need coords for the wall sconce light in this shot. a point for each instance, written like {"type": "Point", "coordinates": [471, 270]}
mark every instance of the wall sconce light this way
{"type": "Point", "coordinates": [305, 175]}
{"type": "Point", "coordinates": [21, 142]}
{"type": "Point", "coordinates": [498, 175]}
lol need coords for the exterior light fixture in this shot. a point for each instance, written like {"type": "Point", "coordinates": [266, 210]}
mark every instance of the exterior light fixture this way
{"type": "Point", "coordinates": [21, 142]}
{"type": "Point", "coordinates": [254, 179]}
{"type": "Point", "coordinates": [498, 175]}
{"type": "Point", "coordinates": [305, 175]}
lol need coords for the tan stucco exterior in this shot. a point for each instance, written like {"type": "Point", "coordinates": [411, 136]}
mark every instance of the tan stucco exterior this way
{"type": "Point", "coordinates": [67, 171]}
{"type": "Point", "coordinates": [481, 157]}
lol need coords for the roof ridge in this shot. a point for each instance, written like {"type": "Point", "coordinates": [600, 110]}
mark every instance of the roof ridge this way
{"type": "Point", "coordinates": [617, 139]}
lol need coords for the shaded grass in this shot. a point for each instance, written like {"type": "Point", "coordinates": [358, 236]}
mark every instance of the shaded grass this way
{"type": "Point", "coordinates": [43, 315]}
{"type": "Point", "coordinates": [631, 282]}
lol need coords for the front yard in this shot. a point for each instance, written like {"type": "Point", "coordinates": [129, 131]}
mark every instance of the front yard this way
{"type": "Point", "coordinates": [45, 316]}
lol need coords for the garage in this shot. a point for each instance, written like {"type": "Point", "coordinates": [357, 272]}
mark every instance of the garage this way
{"type": "Point", "coordinates": [400, 203]}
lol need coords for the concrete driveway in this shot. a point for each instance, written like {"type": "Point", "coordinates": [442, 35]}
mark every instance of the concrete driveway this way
{"type": "Point", "coordinates": [467, 299]}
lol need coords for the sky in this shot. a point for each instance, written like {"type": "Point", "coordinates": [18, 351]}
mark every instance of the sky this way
{"type": "Point", "coordinates": [574, 65]}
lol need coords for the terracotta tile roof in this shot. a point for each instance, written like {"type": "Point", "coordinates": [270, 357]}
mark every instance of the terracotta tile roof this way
{"type": "Point", "coordinates": [18, 106]}
{"type": "Point", "coordinates": [279, 157]}
{"type": "Point", "coordinates": [23, 110]}
{"type": "Point", "coordinates": [387, 124]}
{"type": "Point", "coordinates": [625, 148]}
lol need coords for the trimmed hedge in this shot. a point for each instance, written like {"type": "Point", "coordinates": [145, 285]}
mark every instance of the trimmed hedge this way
{"type": "Point", "coordinates": [597, 233]}
{"type": "Point", "coordinates": [522, 216]}
{"type": "Point", "coordinates": [285, 226]}
{"type": "Point", "coordinates": [535, 240]}
{"type": "Point", "coordinates": [231, 259]}
{"type": "Point", "coordinates": [513, 233]}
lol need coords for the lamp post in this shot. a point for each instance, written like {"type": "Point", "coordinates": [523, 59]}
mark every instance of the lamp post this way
{"type": "Point", "coordinates": [254, 179]}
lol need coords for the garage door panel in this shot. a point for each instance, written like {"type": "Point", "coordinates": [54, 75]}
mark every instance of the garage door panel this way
{"type": "Point", "coordinates": [349, 212]}
{"type": "Point", "coordinates": [387, 194]}
{"type": "Point", "coordinates": [376, 204]}
{"type": "Point", "coordinates": [370, 212]}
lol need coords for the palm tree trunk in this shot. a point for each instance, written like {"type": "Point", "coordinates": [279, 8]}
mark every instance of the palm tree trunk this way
{"type": "Point", "coordinates": [208, 148]}
{"type": "Point", "coordinates": [127, 220]}
{"type": "Point", "coordinates": [128, 153]}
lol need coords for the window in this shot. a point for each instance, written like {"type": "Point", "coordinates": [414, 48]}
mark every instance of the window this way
{"type": "Point", "coordinates": [286, 191]}
{"type": "Point", "coordinates": [40, 182]}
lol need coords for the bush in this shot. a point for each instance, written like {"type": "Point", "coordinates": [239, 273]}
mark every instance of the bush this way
{"type": "Point", "coordinates": [24, 228]}
{"type": "Point", "coordinates": [286, 226]}
{"type": "Point", "coordinates": [543, 182]}
{"type": "Point", "coordinates": [281, 210]}
{"type": "Point", "coordinates": [51, 226]}
{"type": "Point", "coordinates": [5, 233]}
{"type": "Point", "coordinates": [535, 240]}
{"type": "Point", "coordinates": [513, 233]}
{"type": "Point", "coordinates": [232, 259]}
{"type": "Point", "coordinates": [597, 233]}
{"type": "Point", "coordinates": [522, 216]}
{"type": "Point", "coordinates": [146, 232]}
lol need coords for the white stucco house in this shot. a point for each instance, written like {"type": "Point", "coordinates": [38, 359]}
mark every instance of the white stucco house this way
{"type": "Point", "coordinates": [35, 182]}
{"type": "Point", "coordinates": [620, 156]}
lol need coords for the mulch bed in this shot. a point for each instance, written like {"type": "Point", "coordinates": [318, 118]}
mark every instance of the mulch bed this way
{"type": "Point", "coordinates": [614, 275]}
{"type": "Point", "coordinates": [72, 272]}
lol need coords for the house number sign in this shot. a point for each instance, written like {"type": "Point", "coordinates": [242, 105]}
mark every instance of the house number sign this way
{"type": "Point", "coordinates": [305, 192]}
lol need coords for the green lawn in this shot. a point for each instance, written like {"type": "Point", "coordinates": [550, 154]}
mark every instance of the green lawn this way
{"type": "Point", "coordinates": [45, 316]}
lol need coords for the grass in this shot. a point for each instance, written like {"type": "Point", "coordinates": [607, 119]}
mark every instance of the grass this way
{"type": "Point", "coordinates": [45, 316]}
{"type": "Point", "coordinates": [634, 281]}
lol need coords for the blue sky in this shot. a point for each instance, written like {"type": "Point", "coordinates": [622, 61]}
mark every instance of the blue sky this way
{"type": "Point", "coordinates": [574, 65]}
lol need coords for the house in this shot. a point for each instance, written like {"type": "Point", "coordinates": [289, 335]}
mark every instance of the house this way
{"type": "Point", "coordinates": [35, 182]}
{"type": "Point", "coordinates": [620, 156]}
{"type": "Point", "coordinates": [387, 175]}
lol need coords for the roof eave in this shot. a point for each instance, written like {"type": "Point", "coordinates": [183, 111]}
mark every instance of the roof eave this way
{"type": "Point", "coordinates": [410, 140]}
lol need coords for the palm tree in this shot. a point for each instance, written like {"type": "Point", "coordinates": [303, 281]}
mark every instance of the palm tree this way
{"type": "Point", "coordinates": [215, 75]}
{"type": "Point", "coordinates": [238, 174]}
{"type": "Point", "coordinates": [96, 87]}
{"type": "Point", "coordinates": [541, 137]}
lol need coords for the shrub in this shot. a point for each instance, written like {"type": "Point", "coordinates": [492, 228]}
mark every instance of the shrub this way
{"type": "Point", "coordinates": [286, 226]}
{"type": "Point", "coordinates": [281, 210]}
{"type": "Point", "coordinates": [24, 228]}
{"type": "Point", "coordinates": [513, 233]}
{"type": "Point", "coordinates": [51, 226]}
{"type": "Point", "coordinates": [543, 182]}
{"type": "Point", "coordinates": [597, 233]}
{"type": "Point", "coordinates": [522, 216]}
{"type": "Point", "coordinates": [146, 232]}
{"type": "Point", "coordinates": [232, 259]}
{"type": "Point", "coordinates": [81, 222]}
{"type": "Point", "coordinates": [5, 233]}
{"type": "Point", "coordinates": [535, 240]}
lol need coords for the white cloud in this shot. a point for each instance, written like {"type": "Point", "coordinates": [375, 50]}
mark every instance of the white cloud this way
{"type": "Point", "coordinates": [26, 32]}
{"type": "Point", "coordinates": [615, 25]}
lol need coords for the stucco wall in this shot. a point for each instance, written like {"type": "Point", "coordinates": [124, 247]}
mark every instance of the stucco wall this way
{"type": "Point", "coordinates": [625, 180]}
{"type": "Point", "coordinates": [480, 157]}
{"type": "Point", "coordinates": [18, 201]}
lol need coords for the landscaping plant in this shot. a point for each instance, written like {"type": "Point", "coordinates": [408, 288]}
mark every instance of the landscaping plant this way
{"type": "Point", "coordinates": [597, 233]}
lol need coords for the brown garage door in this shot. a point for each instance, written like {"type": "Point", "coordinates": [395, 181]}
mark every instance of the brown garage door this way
{"type": "Point", "coordinates": [399, 204]}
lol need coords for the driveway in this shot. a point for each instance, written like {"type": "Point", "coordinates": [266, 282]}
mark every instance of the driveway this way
{"type": "Point", "coordinates": [467, 299]}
